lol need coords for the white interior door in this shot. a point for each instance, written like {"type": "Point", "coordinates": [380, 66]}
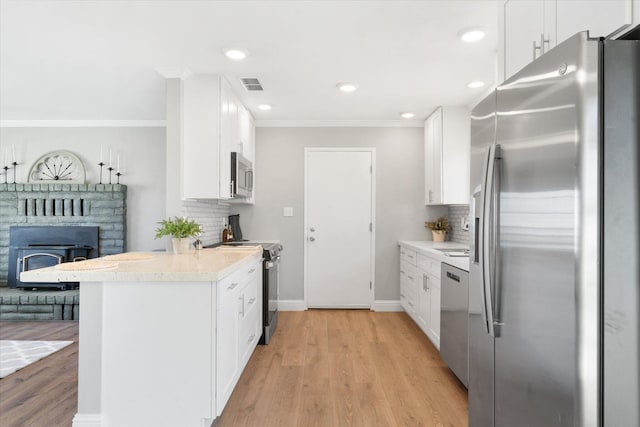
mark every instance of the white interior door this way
{"type": "Point", "coordinates": [339, 199]}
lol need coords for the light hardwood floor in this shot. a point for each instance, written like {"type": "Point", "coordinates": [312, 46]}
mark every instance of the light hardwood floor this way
{"type": "Point", "coordinates": [322, 368]}
{"type": "Point", "coordinates": [347, 368]}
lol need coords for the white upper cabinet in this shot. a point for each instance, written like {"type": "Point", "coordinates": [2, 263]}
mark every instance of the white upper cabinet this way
{"type": "Point", "coordinates": [529, 28]}
{"type": "Point", "coordinates": [446, 151]}
{"type": "Point", "coordinates": [528, 32]}
{"type": "Point", "coordinates": [601, 17]}
{"type": "Point", "coordinates": [204, 111]}
{"type": "Point", "coordinates": [215, 123]}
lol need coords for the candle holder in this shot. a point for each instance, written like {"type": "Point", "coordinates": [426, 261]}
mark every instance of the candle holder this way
{"type": "Point", "coordinates": [15, 167]}
{"type": "Point", "coordinates": [101, 164]}
{"type": "Point", "coordinates": [110, 169]}
{"type": "Point", "coordinates": [6, 173]}
{"type": "Point", "coordinates": [118, 175]}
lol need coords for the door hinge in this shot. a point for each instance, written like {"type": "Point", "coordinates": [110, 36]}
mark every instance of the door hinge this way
{"type": "Point", "coordinates": [371, 169]}
{"type": "Point", "coordinates": [370, 285]}
{"type": "Point", "coordinates": [371, 226]}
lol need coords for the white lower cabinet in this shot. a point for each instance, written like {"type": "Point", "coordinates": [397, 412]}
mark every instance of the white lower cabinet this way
{"type": "Point", "coordinates": [420, 291]}
{"type": "Point", "coordinates": [429, 300]}
{"type": "Point", "coordinates": [239, 321]}
{"type": "Point", "coordinates": [408, 281]}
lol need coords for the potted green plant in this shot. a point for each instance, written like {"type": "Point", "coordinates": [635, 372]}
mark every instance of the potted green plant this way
{"type": "Point", "coordinates": [439, 228]}
{"type": "Point", "coordinates": [181, 230]}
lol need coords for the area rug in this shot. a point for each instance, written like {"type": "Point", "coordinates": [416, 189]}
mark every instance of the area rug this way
{"type": "Point", "coordinates": [16, 355]}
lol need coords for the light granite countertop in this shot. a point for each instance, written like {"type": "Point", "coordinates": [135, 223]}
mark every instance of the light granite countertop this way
{"type": "Point", "coordinates": [204, 265]}
{"type": "Point", "coordinates": [430, 249]}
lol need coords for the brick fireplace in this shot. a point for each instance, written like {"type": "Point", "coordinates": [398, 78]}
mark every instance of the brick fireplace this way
{"type": "Point", "coordinates": [102, 205]}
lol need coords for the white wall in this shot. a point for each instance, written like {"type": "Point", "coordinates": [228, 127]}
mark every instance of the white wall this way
{"type": "Point", "coordinates": [142, 152]}
{"type": "Point", "coordinates": [400, 212]}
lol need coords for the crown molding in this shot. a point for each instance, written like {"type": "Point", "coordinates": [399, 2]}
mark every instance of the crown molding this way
{"type": "Point", "coordinates": [174, 72]}
{"type": "Point", "coordinates": [339, 123]}
{"type": "Point", "coordinates": [82, 123]}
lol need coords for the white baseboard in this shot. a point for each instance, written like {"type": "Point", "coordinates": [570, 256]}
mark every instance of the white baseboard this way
{"type": "Point", "coordinates": [384, 305]}
{"type": "Point", "coordinates": [87, 420]}
{"type": "Point", "coordinates": [292, 305]}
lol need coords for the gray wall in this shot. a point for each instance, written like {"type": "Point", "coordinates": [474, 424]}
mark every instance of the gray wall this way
{"type": "Point", "coordinates": [400, 212]}
{"type": "Point", "coordinates": [142, 152]}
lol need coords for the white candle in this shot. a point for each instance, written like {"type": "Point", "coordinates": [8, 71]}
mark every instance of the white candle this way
{"type": "Point", "coordinates": [118, 163]}
{"type": "Point", "coordinates": [13, 151]}
{"type": "Point", "coordinates": [101, 153]}
{"type": "Point", "coordinates": [109, 157]}
{"type": "Point", "coordinates": [6, 156]}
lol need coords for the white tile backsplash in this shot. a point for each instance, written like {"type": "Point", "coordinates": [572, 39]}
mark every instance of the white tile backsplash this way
{"type": "Point", "coordinates": [456, 214]}
{"type": "Point", "coordinates": [210, 215]}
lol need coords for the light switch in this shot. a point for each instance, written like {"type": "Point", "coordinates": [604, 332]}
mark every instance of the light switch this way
{"type": "Point", "coordinates": [287, 211]}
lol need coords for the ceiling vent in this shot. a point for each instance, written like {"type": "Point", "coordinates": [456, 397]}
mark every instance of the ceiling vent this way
{"type": "Point", "coordinates": [251, 83]}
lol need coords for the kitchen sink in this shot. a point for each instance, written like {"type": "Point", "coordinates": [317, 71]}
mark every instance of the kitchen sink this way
{"type": "Point", "coordinates": [455, 252]}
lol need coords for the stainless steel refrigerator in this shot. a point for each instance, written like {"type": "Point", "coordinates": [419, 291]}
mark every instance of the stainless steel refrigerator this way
{"type": "Point", "coordinates": [554, 279]}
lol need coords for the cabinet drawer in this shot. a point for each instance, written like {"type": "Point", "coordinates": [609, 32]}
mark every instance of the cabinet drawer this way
{"type": "Point", "coordinates": [430, 265]}
{"type": "Point", "coordinates": [408, 255]}
{"type": "Point", "coordinates": [238, 278]}
{"type": "Point", "coordinates": [411, 274]}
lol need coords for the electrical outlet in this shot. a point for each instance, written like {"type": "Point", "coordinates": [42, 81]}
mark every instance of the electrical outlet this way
{"type": "Point", "coordinates": [464, 223]}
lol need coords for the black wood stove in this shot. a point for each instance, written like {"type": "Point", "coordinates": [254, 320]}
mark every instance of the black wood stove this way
{"type": "Point", "coordinates": [32, 247]}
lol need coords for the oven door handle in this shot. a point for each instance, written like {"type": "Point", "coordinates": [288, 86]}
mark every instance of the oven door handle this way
{"type": "Point", "coordinates": [25, 259]}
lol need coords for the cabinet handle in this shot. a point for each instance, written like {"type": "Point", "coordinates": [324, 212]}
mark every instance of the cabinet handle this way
{"type": "Point", "coordinates": [251, 337]}
{"type": "Point", "coordinates": [233, 285]}
{"type": "Point", "coordinates": [411, 277]}
{"type": "Point", "coordinates": [540, 47]}
{"type": "Point", "coordinates": [251, 301]}
{"type": "Point", "coordinates": [251, 271]}
{"type": "Point", "coordinates": [425, 282]}
{"type": "Point", "coordinates": [242, 305]}
{"type": "Point", "coordinates": [410, 304]}
{"type": "Point", "coordinates": [401, 295]}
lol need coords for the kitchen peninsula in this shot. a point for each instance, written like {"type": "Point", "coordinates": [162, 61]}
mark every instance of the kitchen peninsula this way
{"type": "Point", "coordinates": [163, 337]}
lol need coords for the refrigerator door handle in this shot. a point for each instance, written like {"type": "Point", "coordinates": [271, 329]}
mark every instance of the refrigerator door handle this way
{"type": "Point", "coordinates": [487, 237]}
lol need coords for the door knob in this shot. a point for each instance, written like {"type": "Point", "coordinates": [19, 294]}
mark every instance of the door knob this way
{"type": "Point", "coordinates": [312, 239]}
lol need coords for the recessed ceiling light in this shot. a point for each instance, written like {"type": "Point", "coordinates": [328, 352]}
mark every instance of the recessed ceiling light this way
{"type": "Point", "coordinates": [236, 54]}
{"type": "Point", "coordinates": [471, 35]}
{"type": "Point", "coordinates": [407, 115]}
{"type": "Point", "coordinates": [265, 107]}
{"type": "Point", "coordinates": [476, 84]}
{"type": "Point", "coordinates": [347, 87]}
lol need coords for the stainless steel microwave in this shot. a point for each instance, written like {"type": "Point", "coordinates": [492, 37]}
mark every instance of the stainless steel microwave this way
{"type": "Point", "coordinates": [241, 176]}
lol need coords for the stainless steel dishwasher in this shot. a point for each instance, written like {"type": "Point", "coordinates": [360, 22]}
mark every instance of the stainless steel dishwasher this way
{"type": "Point", "coordinates": [454, 345]}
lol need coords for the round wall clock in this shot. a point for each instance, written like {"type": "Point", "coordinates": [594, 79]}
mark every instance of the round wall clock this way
{"type": "Point", "coordinates": [58, 166]}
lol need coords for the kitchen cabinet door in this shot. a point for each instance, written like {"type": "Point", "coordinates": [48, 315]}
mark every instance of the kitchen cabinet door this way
{"type": "Point", "coordinates": [529, 31]}
{"type": "Point", "coordinates": [227, 332]}
{"type": "Point", "coordinates": [600, 17]}
{"type": "Point", "coordinates": [203, 109]}
{"type": "Point", "coordinates": [424, 303]}
{"type": "Point", "coordinates": [434, 310]}
{"type": "Point", "coordinates": [433, 158]}
{"type": "Point", "coordinates": [228, 130]}
{"type": "Point", "coordinates": [446, 149]}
